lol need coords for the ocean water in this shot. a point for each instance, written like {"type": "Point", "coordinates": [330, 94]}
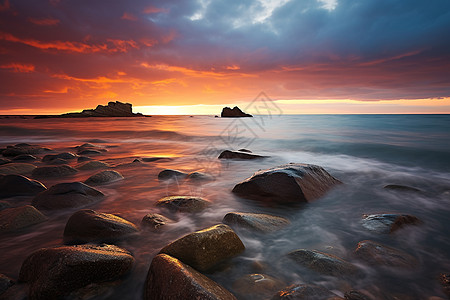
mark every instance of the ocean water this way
{"type": "Point", "coordinates": [366, 152]}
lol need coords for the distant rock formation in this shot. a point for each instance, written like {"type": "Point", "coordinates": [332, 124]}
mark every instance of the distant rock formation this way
{"type": "Point", "coordinates": [236, 112]}
{"type": "Point", "coordinates": [113, 109]}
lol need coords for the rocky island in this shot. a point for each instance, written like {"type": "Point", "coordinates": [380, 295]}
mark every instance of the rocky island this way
{"type": "Point", "coordinates": [236, 112]}
{"type": "Point", "coordinates": [113, 109]}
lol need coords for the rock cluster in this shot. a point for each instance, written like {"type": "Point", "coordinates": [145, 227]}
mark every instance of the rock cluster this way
{"type": "Point", "coordinates": [236, 112]}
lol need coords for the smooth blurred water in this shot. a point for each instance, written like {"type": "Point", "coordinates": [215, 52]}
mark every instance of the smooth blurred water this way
{"type": "Point", "coordinates": [366, 152]}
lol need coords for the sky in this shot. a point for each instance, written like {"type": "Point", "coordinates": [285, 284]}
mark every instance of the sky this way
{"type": "Point", "coordinates": [196, 56]}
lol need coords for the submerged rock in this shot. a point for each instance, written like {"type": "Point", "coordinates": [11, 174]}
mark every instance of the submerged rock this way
{"type": "Point", "coordinates": [323, 263]}
{"type": "Point", "coordinates": [67, 195]}
{"type": "Point", "coordinates": [305, 292]}
{"type": "Point", "coordinates": [104, 177]}
{"type": "Point", "coordinates": [53, 171]}
{"type": "Point", "coordinates": [256, 222]}
{"type": "Point", "coordinates": [90, 226]}
{"type": "Point", "coordinates": [402, 188]}
{"type": "Point", "coordinates": [16, 168]}
{"type": "Point", "coordinates": [171, 174]}
{"type": "Point", "coordinates": [292, 183]}
{"type": "Point", "coordinates": [23, 148]}
{"type": "Point", "coordinates": [204, 249]}
{"type": "Point", "coordinates": [227, 154]}
{"type": "Point", "coordinates": [236, 112]}
{"type": "Point", "coordinates": [257, 286]}
{"type": "Point", "coordinates": [199, 177]}
{"type": "Point", "coordinates": [25, 157]}
{"type": "Point", "coordinates": [53, 273]}
{"type": "Point", "coordinates": [16, 218]}
{"type": "Point", "coordinates": [381, 255]}
{"type": "Point", "coordinates": [18, 185]}
{"type": "Point", "coordinates": [388, 223]}
{"type": "Point", "coordinates": [93, 165]}
{"type": "Point", "coordinates": [154, 221]}
{"type": "Point", "coordinates": [169, 278]}
{"type": "Point", "coordinates": [183, 203]}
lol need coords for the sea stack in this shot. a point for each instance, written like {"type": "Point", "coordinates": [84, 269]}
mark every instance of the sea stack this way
{"type": "Point", "coordinates": [236, 112]}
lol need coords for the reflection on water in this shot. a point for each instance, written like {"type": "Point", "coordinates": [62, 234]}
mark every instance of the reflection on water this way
{"type": "Point", "coordinates": [365, 152]}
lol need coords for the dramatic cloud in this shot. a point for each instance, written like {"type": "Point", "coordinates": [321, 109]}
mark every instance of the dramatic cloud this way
{"type": "Point", "coordinates": [78, 53]}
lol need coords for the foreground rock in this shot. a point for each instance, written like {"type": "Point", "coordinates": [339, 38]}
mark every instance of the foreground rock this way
{"type": "Point", "coordinates": [256, 286]}
{"type": "Point", "coordinates": [91, 226]}
{"type": "Point", "coordinates": [104, 177]}
{"type": "Point", "coordinates": [197, 177]}
{"type": "Point", "coordinates": [378, 254]}
{"type": "Point", "coordinates": [388, 223]}
{"type": "Point", "coordinates": [154, 221]}
{"type": "Point", "coordinates": [305, 292]}
{"type": "Point", "coordinates": [93, 165]}
{"type": "Point", "coordinates": [4, 161]}
{"type": "Point", "coordinates": [355, 295]}
{"type": "Point", "coordinates": [64, 155]}
{"type": "Point", "coordinates": [16, 218]}
{"type": "Point", "coordinates": [169, 174]}
{"type": "Point", "coordinates": [53, 171]}
{"type": "Point", "coordinates": [25, 158]}
{"type": "Point", "coordinates": [236, 112]}
{"type": "Point", "coordinates": [5, 283]}
{"type": "Point", "coordinates": [445, 282]}
{"type": "Point", "coordinates": [169, 278]}
{"type": "Point", "coordinates": [113, 109]}
{"type": "Point", "coordinates": [206, 248]}
{"type": "Point", "coordinates": [67, 195]}
{"type": "Point", "coordinates": [16, 168]}
{"type": "Point", "coordinates": [53, 273]}
{"type": "Point", "coordinates": [402, 188]}
{"type": "Point", "coordinates": [292, 183]}
{"type": "Point", "coordinates": [255, 222]}
{"type": "Point", "coordinates": [18, 185]}
{"type": "Point", "coordinates": [183, 203]}
{"type": "Point", "coordinates": [227, 154]}
{"type": "Point", "coordinates": [323, 263]}
{"type": "Point", "coordinates": [23, 148]}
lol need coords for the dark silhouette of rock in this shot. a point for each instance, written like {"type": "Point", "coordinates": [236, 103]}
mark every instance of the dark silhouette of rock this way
{"type": "Point", "coordinates": [16, 218]}
{"type": "Point", "coordinates": [292, 183]}
{"type": "Point", "coordinates": [104, 177]}
{"type": "Point", "coordinates": [236, 112]}
{"type": "Point", "coordinates": [257, 286]}
{"type": "Point", "coordinates": [323, 263]}
{"type": "Point", "coordinates": [255, 222]}
{"type": "Point", "coordinates": [64, 155]}
{"type": "Point", "coordinates": [388, 223]}
{"type": "Point", "coordinates": [23, 148]}
{"type": "Point", "coordinates": [90, 152]}
{"type": "Point", "coordinates": [169, 278]}
{"type": "Point", "coordinates": [154, 221]}
{"type": "Point", "coordinates": [53, 273]}
{"type": "Point", "coordinates": [305, 292]}
{"type": "Point", "coordinates": [58, 161]}
{"type": "Point", "coordinates": [227, 154]}
{"type": "Point", "coordinates": [53, 171]}
{"type": "Point", "coordinates": [380, 255]}
{"type": "Point", "coordinates": [402, 188]}
{"type": "Point", "coordinates": [206, 248]}
{"type": "Point", "coordinates": [90, 226]}
{"type": "Point", "coordinates": [17, 168]}
{"type": "Point", "coordinates": [93, 165]}
{"type": "Point", "coordinates": [5, 283]}
{"type": "Point", "coordinates": [169, 174]}
{"type": "Point", "coordinates": [83, 159]}
{"type": "Point", "coordinates": [67, 195]}
{"type": "Point", "coordinates": [245, 150]}
{"type": "Point", "coordinates": [24, 158]}
{"type": "Point", "coordinates": [183, 203]}
{"type": "Point", "coordinates": [18, 185]}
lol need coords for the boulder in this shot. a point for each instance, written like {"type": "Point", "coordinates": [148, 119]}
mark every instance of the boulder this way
{"type": "Point", "coordinates": [236, 112]}
{"type": "Point", "coordinates": [25, 157]}
{"type": "Point", "coordinates": [256, 286]}
{"type": "Point", "coordinates": [53, 273]}
{"type": "Point", "coordinates": [380, 255]}
{"type": "Point", "coordinates": [23, 148]}
{"type": "Point", "coordinates": [4, 161]}
{"type": "Point", "coordinates": [53, 171]}
{"type": "Point", "coordinates": [323, 263]}
{"type": "Point", "coordinates": [93, 165]}
{"type": "Point", "coordinates": [90, 226]}
{"type": "Point", "coordinates": [227, 154]}
{"type": "Point", "coordinates": [292, 183]}
{"type": "Point", "coordinates": [16, 218]}
{"type": "Point", "coordinates": [444, 278]}
{"type": "Point", "coordinates": [89, 152]}
{"type": "Point", "coordinates": [16, 168]}
{"type": "Point", "coordinates": [64, 155]}
{"type": "Point", "coordinates": [355, 295]}
{"type": "Point", "coordinates": [67, 195]}
{"type": "Point", "coordinates": [255, 222]}
{"type": "Point", "coordinates": [305, 292]}
{"type": "Point", "coordinates": [388, 223]}
{"type": "Point", "coordinates": [154, 221]}
{"type": "Point", "coordinates": [169, 174]}
{"type": "Point", "coordinates": [402, 188]}
{"type": "Point", "coordinates": [5, 283]}
{"type": "Point", "coordinates": [104, 177]}
{"type": "Point", "coordinates": [18, 185]}
{"type": "Point", "coordinates": [197, 177]}
{"type": "Point", "coordinates": [206, 248]}
{"type": "Point", "coordinates": [183, 203]}
{"type": "Point", "coordinates": [58, 161]}
{"type": "Point", "coordinates": [169, 278]}
{"type": "Point", "coordinates": [83, 159]}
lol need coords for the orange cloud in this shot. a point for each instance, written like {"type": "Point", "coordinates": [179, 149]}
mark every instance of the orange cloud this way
{"type": "Point", "coordinates": [19, 68]}
{"type": "Point", "coordinates": [44, 22]}
{"type": "Point", "coordinates": [379, 61]}
{"type": "Point", "coordinates": [153, 10]}
{"type": "Point", "coordinates": [129, 17]}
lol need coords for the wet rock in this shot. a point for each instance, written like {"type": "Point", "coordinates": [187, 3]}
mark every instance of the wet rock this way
{"type": "Point", "coordinates": [169, 278]}
{"type": "Point", "coordinates": [104, 177]}
{"type": "Point", "coordinates": [444, 278]}
{"type": "Point", "coordinates": [64, 155]}
{"type": "Point", "coordinates": [236, 112]}
{"type": "Point", "coordinates": [245, 150]}
{"type": "Point", "coordinates": [227, 154]}
{"type": "Point", "coordinates": [402, 188]}
{"type": "Point", "coordinates": [4, 161]}
{"type": "Point", "coordinates": [5, 283]}
{"type": "Point", "coordinates": [89, 152]}
{"type": "Point", "coordinates": [153, 159]}
{"type": "Point", "coordinates": [53, 171]}
{"type": "Point", "coordinates": [90, 226]}
{"type": "Point", "coordinates": [323, 263]}
{"type": "Point", "coordinates": [154, 221]}
{"type": "Point", "coordinates": [83, 159]}
{"type": "Point", "coordinates": [305, 292]}
{"type": "Point", "coordinates": [292, 183]}
{"type": "Point", "coordinates": [4, 205]}
{"type": "Point", "coordinates": [204, 249]}
{"type": "Point", "coordinates": [171, 174]}
{"type": "Point", "coordinates": [23, 148]}
{"type": "Point", "coordinates": [388, 223]}
{"type": "Point", "coordinates": [58, 161]}
{"type": "Point", "coordinates": [381, 255]}
{"type": "Point", "coordinates": [93, 165]}
{"type": "Point", "coordinates": [355, 295]}
{"type": "Point", "coordinates": [256, 222]}
{"type": "Point", "coordinates": [199, 177]}
{"type": "Point", "coordinates": [89, 149]}
{"type": "Point", "coordinates": [257, 286]}
{"type": "Point", "coordinates": [67, 195]}
{"type": "Point", "coordinates": [53, 273]}
{"type": "Point", "coordinates": [183, 203]}
{"type": "Point", "coordinates": [16, 218]}
{"type": "Point", "coordinates": [18, 185]}
{"type": "Point", "coordinates": [17, 168]}
{"type": "Point", "coordinates": [25, 158]}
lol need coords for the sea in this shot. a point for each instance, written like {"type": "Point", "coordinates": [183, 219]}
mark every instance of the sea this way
{"type": "Point", "coordinates": [365, 152]}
